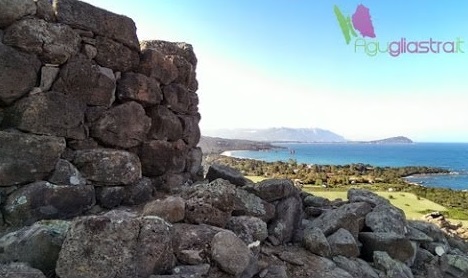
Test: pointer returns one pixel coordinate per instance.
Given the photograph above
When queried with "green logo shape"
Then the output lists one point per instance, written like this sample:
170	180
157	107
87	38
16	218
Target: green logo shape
345	25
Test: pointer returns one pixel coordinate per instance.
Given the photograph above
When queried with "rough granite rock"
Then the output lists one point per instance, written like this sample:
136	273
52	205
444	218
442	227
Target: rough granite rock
139	192
19	270
139	88
356	267
86	81
194	161
248	228
116	244
397	246
172	48
246	203
123	126
50	113
362	195
210	203
342	243
48	76
18	72
230	253
171	209
176	98
13	10
165	73
347	216
26	158
186	72
160	157
114	55
84	16
192	243
165	125
38	245
66	173
387	219
315	201
110	196
108	166
45	10
392	268
274	189
43	200
219	171
288	219
53	43
315	241
191	133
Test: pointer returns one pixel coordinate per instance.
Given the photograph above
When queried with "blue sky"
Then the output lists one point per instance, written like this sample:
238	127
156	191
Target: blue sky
272	63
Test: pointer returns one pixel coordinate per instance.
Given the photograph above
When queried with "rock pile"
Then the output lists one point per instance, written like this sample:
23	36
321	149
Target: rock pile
217	229
88	114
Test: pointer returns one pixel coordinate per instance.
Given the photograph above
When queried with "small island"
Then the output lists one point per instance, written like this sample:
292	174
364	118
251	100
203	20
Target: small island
391	140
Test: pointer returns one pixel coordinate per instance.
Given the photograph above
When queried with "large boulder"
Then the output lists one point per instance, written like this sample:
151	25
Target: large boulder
13	10
456	265
86	81
397	246
387	219
219	171
342	243
82	15
123	126
210	203
38	245
116	244
176	97
362	195
230	253
165	125
43	200
19	270
66	173
246	203
108	166
315	241
49	113
156	65
392	268
274	189
283	227
348	216
248	228
160	157
27	158
171	209
192	243
139	88
18	72
116	56
133	194
192	133
356	267
182	49
53	43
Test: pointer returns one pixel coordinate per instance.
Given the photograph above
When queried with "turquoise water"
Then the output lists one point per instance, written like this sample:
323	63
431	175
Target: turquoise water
453	156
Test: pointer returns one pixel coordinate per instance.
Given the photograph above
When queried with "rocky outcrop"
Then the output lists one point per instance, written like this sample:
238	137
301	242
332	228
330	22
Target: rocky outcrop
83	107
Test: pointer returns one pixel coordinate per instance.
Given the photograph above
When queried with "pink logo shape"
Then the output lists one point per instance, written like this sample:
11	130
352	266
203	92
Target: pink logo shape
362	21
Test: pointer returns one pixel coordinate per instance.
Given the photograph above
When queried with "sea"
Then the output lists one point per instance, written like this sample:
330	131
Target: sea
451	156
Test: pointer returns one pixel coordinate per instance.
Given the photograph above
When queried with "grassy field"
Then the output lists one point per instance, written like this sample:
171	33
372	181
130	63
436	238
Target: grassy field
414	207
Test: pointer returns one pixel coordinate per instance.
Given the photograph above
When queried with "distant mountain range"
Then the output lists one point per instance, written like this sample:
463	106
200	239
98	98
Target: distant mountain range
283	134
300	135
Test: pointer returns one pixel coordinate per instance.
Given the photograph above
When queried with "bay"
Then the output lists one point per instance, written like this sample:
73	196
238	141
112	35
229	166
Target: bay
451	156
